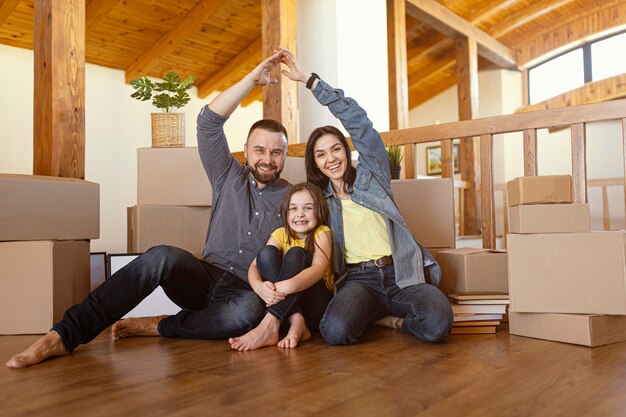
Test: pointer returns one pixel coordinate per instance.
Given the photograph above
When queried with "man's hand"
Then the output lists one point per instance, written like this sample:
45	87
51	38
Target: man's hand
296	71
268	293
261	75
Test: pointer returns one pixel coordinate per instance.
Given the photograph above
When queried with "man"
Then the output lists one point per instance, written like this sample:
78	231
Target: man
214	294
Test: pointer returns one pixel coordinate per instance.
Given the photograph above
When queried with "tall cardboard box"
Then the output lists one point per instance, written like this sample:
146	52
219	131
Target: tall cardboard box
579	329
172	177
549	218
545	189
34	207
473	270
39	281
428	208
581	273
183	227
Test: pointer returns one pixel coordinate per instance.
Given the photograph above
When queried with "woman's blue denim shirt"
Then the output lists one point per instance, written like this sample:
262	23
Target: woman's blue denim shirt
372	189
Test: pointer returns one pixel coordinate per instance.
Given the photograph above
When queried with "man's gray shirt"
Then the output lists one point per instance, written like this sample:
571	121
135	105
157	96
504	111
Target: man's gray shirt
242	216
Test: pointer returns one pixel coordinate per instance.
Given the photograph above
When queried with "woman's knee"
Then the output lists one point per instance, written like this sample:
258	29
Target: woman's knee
434	318
335	331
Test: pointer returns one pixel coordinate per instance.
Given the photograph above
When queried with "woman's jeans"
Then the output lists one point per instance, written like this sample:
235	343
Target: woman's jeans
215	303
371	293
275	267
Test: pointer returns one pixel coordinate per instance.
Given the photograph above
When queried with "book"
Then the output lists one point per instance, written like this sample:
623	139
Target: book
478	309
479	296
474	330
477	323
480	302
476	317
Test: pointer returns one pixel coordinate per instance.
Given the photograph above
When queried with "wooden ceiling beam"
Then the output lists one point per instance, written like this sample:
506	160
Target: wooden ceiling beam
96	10
177	34
251	55
445	21
431	70
420	96
527	14
6	8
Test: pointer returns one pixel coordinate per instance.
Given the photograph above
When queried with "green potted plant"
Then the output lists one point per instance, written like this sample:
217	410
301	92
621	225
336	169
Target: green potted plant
394	154
168	127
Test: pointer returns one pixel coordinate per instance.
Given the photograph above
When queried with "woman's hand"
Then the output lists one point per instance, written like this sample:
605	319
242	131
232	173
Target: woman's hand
261	75
296	71
268	293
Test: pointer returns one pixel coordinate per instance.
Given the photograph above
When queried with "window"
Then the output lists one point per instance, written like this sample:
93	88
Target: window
561	74
608	58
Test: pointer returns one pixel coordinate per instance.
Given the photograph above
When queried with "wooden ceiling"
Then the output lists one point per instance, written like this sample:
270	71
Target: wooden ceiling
220	40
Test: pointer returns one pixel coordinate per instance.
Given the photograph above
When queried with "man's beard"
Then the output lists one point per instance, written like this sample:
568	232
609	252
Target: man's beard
262	176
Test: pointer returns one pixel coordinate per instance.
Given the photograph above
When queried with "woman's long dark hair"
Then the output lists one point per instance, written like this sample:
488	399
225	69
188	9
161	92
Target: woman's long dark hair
320	209
313	173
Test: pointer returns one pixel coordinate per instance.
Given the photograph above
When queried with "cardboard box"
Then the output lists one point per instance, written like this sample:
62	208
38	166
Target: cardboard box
473	270
546	189
39	281
183	227
579	329
172	177
568	273
549	218
36	207
428	208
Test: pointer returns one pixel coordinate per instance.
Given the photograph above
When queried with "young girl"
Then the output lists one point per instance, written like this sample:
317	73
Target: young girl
287	273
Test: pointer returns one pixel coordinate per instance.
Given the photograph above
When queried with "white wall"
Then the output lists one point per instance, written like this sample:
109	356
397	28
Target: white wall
116	125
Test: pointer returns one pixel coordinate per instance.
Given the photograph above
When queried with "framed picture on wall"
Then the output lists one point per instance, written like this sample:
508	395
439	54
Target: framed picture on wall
433	159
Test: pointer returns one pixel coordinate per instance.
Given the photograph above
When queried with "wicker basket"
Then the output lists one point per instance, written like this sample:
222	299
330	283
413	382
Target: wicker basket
168	130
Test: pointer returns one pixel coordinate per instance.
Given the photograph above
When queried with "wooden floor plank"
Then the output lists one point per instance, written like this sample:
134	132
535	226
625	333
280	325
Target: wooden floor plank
386	374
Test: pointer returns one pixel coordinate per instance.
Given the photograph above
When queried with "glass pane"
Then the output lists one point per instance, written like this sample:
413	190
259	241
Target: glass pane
556	76
608	58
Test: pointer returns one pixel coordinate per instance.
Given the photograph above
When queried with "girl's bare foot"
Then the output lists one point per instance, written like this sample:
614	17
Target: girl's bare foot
45	347
265	334
298	332
140	326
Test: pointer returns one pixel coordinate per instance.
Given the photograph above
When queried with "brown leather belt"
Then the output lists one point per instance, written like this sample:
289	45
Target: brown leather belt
379	263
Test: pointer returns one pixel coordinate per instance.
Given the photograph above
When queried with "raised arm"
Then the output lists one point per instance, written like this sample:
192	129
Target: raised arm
212	144
353	117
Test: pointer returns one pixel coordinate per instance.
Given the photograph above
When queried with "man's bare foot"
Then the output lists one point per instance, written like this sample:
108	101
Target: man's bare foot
45	347
140	326
298	332
265	334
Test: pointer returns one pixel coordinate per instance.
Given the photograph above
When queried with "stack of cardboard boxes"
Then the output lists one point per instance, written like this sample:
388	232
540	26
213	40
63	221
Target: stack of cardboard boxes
566	283
45	227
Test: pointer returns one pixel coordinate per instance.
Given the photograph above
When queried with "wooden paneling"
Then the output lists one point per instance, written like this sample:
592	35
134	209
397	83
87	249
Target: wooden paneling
6	8
280	100
59	112
449	23
398	77
96	11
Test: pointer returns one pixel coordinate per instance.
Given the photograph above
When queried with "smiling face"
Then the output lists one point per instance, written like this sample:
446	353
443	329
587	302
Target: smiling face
331	158
301	216
265	152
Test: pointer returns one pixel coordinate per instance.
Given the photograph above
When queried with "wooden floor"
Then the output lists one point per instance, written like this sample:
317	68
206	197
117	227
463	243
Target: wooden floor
386	374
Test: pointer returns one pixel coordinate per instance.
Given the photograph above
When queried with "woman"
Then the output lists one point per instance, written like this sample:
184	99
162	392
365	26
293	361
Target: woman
386	271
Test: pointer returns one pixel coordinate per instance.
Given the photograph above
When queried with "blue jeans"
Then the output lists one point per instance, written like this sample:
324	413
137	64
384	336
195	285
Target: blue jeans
370	294
312	302
215	303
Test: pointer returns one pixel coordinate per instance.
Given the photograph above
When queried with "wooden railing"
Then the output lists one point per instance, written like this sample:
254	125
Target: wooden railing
575	116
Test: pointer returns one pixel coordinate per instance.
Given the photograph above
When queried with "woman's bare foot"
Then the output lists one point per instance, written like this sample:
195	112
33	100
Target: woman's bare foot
140	326
265	334
298	332
45	347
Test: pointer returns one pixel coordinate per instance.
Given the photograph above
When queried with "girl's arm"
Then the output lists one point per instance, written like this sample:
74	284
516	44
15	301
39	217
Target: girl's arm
312	274
266	290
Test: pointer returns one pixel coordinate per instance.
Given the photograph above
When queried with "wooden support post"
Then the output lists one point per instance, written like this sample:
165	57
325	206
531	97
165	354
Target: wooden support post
59	110
447	160
579	163
467	87
280	101
530	152
398	77
487	192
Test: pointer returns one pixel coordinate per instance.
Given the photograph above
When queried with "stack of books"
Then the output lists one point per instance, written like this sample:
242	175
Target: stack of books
478	313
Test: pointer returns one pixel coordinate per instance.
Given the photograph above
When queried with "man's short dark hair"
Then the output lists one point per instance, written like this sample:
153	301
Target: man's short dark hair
269	125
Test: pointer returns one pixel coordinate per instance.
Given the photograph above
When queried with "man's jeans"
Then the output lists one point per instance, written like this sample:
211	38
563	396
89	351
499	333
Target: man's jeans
311	302
371	293
215	304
